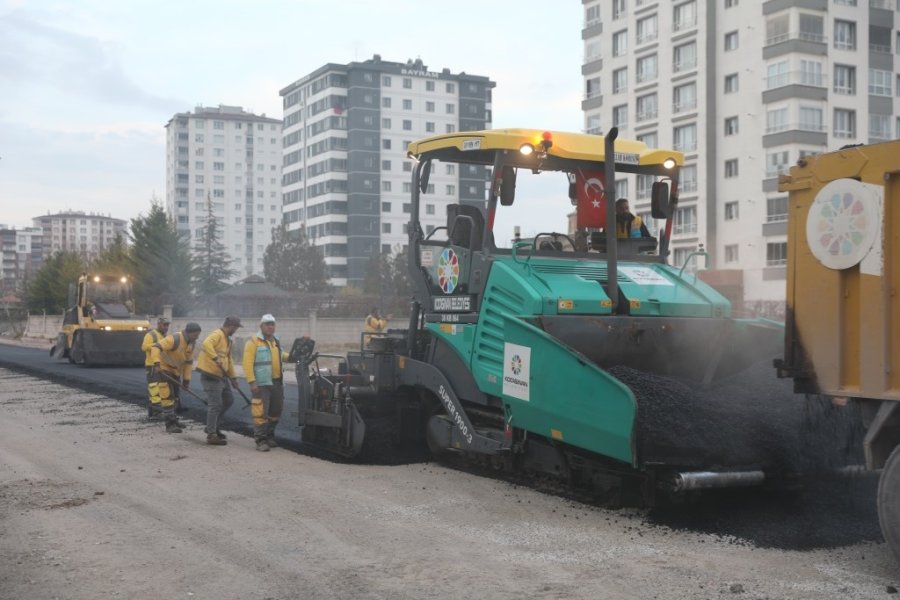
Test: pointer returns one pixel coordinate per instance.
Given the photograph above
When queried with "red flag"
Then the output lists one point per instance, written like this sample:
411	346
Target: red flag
591	206
338	110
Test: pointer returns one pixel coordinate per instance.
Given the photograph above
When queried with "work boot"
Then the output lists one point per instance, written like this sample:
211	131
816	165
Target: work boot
270	441
172	426
214	440
262	446
221	435
154	412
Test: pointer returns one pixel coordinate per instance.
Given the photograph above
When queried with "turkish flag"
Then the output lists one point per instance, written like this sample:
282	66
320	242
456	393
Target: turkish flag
591	205
338	110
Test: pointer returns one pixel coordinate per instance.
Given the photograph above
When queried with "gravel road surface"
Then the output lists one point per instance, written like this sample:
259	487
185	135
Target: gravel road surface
95	502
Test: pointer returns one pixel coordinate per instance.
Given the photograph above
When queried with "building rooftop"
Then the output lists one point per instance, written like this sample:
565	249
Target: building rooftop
224	112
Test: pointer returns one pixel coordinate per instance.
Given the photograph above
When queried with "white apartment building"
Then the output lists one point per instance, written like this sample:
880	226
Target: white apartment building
232	158
346	174
745	89
21	255
88	234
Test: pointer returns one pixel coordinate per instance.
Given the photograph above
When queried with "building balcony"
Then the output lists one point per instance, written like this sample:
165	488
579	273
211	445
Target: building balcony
680	107
646	38
843	90
679	26
795	84
592	100
795	41
646	77
845	134
685	65
647	115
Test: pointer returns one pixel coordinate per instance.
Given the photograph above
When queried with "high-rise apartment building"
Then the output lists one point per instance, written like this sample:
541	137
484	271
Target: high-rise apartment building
745	89
88	234
346	174
21	255
231	158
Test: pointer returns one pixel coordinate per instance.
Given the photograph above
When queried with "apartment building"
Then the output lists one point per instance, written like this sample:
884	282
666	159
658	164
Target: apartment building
231	158
745	89
87	234
347	178
21	255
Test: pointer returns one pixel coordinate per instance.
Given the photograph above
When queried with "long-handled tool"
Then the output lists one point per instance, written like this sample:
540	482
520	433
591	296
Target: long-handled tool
178	383
239	390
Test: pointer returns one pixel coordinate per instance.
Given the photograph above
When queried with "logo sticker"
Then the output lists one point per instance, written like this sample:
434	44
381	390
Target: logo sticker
517	371
844	222
448	270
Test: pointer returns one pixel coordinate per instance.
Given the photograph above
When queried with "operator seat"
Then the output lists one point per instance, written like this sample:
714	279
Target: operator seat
462	233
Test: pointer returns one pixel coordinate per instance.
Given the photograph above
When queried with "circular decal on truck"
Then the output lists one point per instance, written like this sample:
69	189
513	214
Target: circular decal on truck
448	270
842	223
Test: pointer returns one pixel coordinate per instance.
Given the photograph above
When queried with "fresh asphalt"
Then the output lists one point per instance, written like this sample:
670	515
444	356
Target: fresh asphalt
129	384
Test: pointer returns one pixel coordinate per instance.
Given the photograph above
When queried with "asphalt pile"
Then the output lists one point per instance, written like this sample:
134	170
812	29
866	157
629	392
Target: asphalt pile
753	420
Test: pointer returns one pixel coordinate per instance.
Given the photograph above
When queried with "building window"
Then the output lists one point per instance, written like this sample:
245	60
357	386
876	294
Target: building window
812	119
685	57
844	35
880	82
731	41
385	123
592	88
450	190
451	109
879	127
777	209
450	128
591	15
620	80
688	183
776	254
684	97
686	220
731	211
620	116
646	68
651	139
429	209
731	3
777	75
407	83
385	81
731	126
731	253
386	144
619	9
407	125
647	29
731	83
620	43
845	80
385	102
385	165
844	123
429	127
731	168
684	16
429	86
407	104
407	166
685	138
429	107
811	73
451	88
776	120
646	107
386	207
777	163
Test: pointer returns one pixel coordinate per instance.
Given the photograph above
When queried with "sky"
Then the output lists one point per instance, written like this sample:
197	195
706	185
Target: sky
87	87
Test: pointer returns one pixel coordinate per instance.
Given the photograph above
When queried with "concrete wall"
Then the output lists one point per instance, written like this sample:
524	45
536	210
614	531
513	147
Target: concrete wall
329	333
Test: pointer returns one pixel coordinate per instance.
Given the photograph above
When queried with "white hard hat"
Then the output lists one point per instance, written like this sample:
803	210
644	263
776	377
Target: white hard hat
267	318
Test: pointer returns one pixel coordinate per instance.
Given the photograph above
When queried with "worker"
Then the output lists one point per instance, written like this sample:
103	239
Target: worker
263	367
154	408
627	224
173	359
216	371
375	323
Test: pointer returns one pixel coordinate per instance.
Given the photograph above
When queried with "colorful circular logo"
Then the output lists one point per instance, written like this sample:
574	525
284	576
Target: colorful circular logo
842	224
516	364
448	270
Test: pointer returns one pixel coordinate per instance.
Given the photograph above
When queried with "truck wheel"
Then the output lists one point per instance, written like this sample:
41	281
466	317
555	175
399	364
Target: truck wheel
889	501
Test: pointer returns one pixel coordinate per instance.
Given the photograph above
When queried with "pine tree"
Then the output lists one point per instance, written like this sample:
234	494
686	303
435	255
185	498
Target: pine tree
49	289
212	264
400	272
378	275
292	263
161	262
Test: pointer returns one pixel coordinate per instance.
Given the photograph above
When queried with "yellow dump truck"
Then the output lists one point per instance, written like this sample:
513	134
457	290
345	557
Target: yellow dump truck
843	298
100	327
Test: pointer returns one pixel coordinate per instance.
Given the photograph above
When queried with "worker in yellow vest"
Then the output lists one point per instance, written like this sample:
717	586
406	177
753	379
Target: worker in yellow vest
154	408
173	360
216	372
263	367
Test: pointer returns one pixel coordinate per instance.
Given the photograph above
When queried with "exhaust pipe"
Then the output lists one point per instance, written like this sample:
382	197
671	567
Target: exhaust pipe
707	480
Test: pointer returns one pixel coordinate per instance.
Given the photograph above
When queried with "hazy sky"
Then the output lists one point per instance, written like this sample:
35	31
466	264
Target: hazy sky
87	87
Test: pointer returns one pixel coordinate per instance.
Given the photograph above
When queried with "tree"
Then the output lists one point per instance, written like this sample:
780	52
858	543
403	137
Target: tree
400	272
115	259
161	262
379	275
212	264
292	263
49	290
